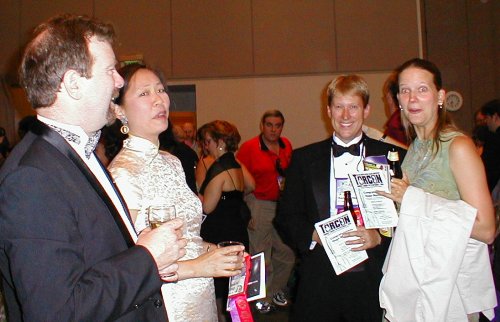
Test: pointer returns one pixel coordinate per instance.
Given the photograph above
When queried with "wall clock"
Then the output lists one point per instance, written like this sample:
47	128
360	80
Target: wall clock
453	101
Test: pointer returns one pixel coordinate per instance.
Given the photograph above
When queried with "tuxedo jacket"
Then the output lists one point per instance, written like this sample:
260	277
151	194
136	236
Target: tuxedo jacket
65	254
306	199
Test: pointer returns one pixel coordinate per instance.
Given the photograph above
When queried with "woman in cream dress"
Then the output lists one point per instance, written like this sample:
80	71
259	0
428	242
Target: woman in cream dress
149	177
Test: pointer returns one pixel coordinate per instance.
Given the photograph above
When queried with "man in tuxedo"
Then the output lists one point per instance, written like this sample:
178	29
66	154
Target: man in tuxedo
68	251
316	179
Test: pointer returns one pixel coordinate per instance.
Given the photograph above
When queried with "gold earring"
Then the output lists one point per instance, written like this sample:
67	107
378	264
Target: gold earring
124	128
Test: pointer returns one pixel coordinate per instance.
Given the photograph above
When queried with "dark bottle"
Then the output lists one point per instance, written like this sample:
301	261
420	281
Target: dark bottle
394	164
348	206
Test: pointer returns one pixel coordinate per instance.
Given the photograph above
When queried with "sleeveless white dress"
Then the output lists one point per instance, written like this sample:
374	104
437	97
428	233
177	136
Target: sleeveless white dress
146	177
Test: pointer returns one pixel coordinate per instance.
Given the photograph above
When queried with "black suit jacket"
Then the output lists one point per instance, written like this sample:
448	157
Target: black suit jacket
306	199
65	254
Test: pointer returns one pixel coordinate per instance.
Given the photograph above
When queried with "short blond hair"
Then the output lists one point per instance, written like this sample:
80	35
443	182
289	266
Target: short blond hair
349	84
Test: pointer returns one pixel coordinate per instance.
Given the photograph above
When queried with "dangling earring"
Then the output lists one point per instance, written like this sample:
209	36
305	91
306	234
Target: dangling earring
440	105
124	128
400	107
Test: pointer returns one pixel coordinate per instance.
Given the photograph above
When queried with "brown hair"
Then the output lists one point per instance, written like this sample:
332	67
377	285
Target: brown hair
272	113
444	122
225	131
349	84
58	45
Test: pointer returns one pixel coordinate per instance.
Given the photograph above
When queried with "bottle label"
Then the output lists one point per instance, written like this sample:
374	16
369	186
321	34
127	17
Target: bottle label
343	184
393	156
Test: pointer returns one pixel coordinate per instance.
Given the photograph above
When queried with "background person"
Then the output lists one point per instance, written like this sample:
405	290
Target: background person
149	177
222	193
205	160
69	252
316	177
266	157
394	126
491	147
190	137
480	132
186	155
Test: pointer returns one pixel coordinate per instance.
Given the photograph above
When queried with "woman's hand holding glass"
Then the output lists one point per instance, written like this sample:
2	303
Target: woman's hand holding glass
218	262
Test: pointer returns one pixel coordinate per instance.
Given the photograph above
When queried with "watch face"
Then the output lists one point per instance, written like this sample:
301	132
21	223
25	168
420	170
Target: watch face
453	101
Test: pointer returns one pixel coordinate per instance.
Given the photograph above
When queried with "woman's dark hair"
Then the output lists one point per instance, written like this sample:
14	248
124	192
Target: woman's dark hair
167	139
444	122
112	139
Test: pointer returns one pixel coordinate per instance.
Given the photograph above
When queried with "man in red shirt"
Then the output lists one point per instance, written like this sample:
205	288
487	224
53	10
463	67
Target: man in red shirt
266	157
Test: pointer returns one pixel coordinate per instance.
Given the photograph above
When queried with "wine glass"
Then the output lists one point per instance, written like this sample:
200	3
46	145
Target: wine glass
159	214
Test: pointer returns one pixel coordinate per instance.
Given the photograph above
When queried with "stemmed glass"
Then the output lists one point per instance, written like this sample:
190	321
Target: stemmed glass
159	214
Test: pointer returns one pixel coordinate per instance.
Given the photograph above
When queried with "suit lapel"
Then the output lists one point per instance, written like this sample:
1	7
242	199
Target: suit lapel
320	178
60	144
373	147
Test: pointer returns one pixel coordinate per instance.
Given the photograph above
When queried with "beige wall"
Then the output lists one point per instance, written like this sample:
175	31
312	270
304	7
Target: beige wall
302	100
217	43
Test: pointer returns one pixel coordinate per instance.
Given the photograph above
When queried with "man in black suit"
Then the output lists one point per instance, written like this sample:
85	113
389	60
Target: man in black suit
68	251
316	180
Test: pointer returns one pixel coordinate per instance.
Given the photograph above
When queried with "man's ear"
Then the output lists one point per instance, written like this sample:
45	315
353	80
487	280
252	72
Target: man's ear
71	84
329	111
366	111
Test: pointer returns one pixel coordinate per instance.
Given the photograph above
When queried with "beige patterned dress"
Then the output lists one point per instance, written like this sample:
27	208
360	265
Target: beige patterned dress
146	177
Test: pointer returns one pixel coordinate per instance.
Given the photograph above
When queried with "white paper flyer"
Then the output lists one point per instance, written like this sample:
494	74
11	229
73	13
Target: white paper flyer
377	211
341	256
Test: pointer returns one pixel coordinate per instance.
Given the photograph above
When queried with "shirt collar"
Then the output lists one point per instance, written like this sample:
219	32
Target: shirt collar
353	141
75	135
264	147
139	144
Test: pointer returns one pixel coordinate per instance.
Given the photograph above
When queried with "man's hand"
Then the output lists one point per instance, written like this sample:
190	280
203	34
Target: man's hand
315	237
165	244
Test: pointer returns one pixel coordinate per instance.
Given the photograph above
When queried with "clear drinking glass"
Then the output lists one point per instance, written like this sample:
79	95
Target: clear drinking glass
228	243
159	214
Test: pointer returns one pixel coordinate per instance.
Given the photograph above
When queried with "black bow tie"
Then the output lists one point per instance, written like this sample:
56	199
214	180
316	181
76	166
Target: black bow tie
353	149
